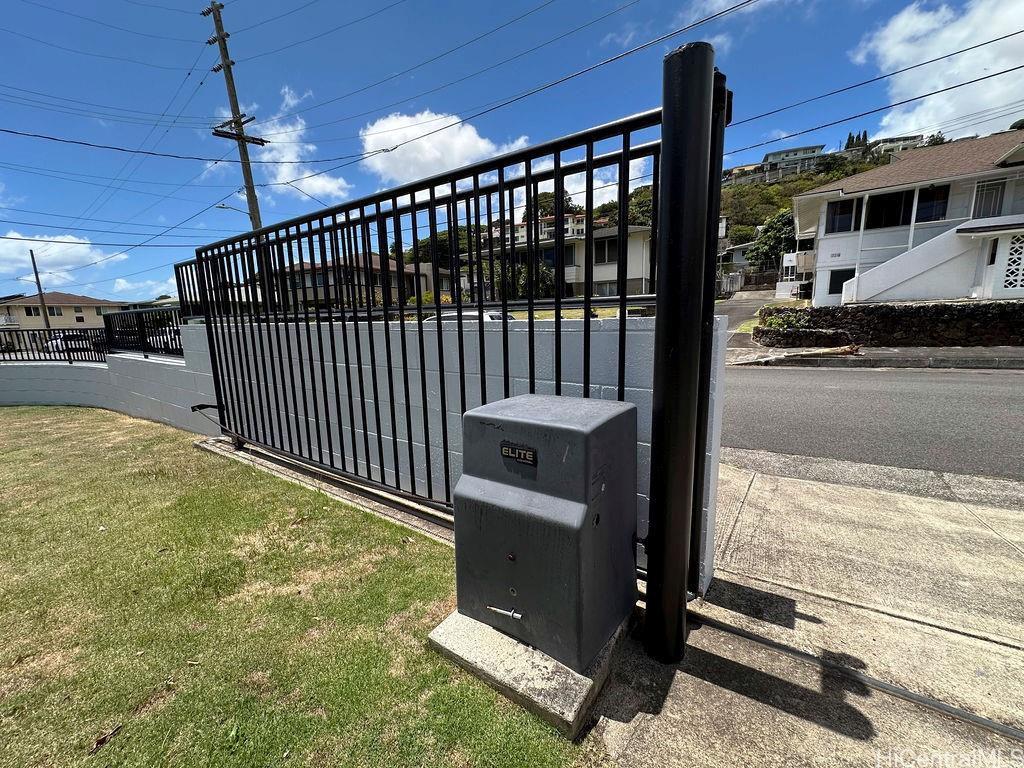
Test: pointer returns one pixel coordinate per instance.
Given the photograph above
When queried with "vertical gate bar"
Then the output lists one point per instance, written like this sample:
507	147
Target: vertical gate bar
396	219
227	328
623	258
652	245
273	334
204	297
530	201
385	292
559	266
455	265
326	275
303	418
588	265
719	119
470	277
364	230
421	339
245	362
243	290
685	166
490	242
479	288
338	268
311	246
505	269
294	446
262	393
435	257
351	261
308	288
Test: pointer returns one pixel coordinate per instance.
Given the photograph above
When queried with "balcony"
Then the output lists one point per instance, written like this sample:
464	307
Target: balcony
9	321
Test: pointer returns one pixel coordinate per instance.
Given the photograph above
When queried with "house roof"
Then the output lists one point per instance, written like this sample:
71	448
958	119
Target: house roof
964	157
58	298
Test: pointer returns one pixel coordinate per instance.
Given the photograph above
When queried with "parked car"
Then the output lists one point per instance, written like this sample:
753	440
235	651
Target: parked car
70	341
489	315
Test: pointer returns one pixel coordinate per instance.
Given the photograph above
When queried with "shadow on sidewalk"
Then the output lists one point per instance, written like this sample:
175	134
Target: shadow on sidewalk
757	603
707	682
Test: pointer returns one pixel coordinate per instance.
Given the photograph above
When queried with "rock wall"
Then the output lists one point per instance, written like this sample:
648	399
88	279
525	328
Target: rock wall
910	324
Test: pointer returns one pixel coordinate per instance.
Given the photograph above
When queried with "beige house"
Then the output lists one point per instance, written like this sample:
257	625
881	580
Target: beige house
64	310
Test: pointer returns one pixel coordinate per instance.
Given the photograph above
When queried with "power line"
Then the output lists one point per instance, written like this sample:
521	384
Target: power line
107	221
450	83
324	33
545	86
425	62
83	229
68	49
851	87
873	111
159	7
106	24
144	244
275	18
59	173
171	155
203	118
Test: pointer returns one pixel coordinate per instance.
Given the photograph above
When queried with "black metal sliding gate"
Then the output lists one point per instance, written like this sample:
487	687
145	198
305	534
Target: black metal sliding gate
353	339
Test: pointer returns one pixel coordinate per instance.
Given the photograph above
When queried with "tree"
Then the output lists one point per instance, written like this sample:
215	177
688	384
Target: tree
742	233
162	296
544	204
1017	125
640	208
935	139
778	236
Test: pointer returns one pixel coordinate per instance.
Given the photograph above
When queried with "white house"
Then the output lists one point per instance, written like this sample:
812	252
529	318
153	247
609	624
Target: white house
942	222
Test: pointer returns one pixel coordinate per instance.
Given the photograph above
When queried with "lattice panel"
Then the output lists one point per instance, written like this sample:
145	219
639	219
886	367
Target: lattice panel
1014	277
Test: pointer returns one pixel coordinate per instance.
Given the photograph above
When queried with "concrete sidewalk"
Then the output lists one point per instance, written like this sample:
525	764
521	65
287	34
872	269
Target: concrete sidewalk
919	590
749	353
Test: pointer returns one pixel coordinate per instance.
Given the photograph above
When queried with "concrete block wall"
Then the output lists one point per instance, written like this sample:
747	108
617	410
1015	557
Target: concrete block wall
158	388
380	407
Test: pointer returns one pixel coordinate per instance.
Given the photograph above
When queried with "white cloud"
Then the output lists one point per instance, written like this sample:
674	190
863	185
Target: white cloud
701	9
624	36
923	31
55	260
450	148
292	148
146	288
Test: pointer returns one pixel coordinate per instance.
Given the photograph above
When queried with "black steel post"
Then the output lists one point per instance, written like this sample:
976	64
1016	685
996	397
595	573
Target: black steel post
688	89
720	116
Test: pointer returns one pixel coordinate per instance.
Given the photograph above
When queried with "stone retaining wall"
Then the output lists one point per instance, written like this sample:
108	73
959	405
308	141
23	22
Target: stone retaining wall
909	324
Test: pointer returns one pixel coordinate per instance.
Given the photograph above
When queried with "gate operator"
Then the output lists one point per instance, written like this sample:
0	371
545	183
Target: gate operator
545	522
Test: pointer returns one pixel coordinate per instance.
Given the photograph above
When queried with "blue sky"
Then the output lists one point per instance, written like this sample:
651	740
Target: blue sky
774	53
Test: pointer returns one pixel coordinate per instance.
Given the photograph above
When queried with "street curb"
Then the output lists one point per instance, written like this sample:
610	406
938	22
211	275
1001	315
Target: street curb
888	362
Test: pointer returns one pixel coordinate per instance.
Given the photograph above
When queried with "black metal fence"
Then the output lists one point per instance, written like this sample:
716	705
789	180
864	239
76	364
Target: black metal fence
149	331
63	345
347	338
187	278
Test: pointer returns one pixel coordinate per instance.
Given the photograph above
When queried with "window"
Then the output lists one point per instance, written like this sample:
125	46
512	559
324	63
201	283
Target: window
932	203
836	278
992	250
789	272
319	280
79	319
569	256
55	311
31	311
99	311
547	255
78	310
606	288
988	198
890	210
606	251
843	216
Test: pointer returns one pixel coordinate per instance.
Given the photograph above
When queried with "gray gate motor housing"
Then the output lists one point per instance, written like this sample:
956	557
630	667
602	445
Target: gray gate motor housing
545	522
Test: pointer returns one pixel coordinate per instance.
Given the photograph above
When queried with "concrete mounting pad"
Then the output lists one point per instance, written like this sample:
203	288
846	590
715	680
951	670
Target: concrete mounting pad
529	677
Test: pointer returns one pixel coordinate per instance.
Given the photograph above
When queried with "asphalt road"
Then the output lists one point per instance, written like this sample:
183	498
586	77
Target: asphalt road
743	306
968	422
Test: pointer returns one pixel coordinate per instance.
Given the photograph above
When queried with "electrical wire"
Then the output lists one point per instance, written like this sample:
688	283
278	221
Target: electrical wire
108	25
859	115
68	49
330	31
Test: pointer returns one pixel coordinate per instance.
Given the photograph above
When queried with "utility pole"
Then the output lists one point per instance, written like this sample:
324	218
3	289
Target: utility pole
39	289
238	120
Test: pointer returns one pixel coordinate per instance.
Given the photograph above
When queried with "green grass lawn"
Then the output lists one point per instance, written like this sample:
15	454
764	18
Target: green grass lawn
205	613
